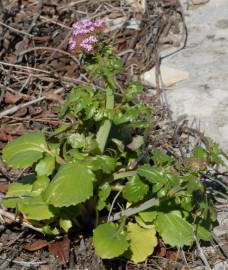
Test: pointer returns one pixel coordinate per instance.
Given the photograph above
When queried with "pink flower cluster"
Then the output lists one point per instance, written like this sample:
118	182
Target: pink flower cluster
84	35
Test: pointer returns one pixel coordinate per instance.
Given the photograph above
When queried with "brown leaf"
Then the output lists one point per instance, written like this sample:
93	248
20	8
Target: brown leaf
11	98
5	137
3	187
61	250
171	255
161	252
44	267
54	97
13	129
36	245
21	112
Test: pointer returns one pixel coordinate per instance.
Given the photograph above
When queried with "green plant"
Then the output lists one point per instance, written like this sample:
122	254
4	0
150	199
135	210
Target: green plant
100	173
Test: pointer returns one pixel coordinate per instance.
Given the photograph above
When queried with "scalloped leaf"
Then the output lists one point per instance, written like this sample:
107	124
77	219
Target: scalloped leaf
39	185
174	229
25	150
142	242
17	191
45	166
105	163
73	184
148	216
135	190
152	174
109	241
104	192
35	208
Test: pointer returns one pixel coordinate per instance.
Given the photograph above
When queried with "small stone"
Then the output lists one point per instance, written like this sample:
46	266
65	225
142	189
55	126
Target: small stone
169	76
221	265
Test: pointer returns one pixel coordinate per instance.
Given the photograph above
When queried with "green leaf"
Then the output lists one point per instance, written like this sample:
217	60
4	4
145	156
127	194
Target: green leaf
174	229
25	150
143	224
35	208
39	185
105	163
45	166
130	115
152	174
109	241
148	216
102	134
72	185
200	153
135	190
104	192
142	242
160	158
204	231
133	90
50	231
77	140
17	190
65	223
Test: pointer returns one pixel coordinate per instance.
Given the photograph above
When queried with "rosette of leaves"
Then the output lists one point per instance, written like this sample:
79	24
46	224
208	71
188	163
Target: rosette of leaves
125	190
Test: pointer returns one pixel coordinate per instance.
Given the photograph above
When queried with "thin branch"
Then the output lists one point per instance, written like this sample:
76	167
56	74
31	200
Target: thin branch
20	106
24	264
134	210
24	67
23	223
55	22
15	30
113	202
202	255
50	49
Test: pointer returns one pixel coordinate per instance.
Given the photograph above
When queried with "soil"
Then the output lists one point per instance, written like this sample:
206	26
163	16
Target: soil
36	72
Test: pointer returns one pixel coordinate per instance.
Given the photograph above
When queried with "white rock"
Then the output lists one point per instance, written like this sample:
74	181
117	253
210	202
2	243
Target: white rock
117	23
138	5
204	96
169	76
221	265
210	109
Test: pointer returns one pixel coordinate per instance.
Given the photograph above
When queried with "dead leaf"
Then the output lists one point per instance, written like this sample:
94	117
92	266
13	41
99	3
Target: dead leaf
61	250
11	98
171	255
44	267
36	245
5	137
161	252
54	97
13	129
3	187
21	112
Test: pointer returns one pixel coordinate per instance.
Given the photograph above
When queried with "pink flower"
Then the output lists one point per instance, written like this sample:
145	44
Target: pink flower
100	24
87	43
87	47
84	32
72	44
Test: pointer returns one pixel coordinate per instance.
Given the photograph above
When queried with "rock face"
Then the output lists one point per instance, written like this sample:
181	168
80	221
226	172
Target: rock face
204	95
170	76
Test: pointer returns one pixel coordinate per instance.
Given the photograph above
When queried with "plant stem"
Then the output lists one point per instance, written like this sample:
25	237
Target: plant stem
132	211
104	130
